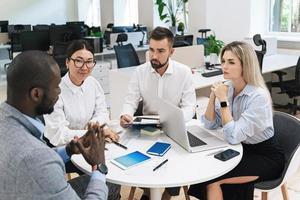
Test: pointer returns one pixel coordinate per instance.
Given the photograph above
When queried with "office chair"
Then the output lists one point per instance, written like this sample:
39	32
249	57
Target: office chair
286	128
60	56
122	37
291	88
258	41
126	56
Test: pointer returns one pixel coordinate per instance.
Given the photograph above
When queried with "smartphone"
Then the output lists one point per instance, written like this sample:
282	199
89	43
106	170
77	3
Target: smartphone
227	154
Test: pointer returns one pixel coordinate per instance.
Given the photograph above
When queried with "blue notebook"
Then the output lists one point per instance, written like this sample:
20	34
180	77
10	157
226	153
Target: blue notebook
159	148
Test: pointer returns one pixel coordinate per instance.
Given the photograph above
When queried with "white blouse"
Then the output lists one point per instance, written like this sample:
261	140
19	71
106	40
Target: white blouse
76	106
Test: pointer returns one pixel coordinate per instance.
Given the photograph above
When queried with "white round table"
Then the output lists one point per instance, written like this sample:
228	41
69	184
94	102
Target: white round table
182	168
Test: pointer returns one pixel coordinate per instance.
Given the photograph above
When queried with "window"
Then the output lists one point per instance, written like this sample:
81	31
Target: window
89	12
125	12
285	16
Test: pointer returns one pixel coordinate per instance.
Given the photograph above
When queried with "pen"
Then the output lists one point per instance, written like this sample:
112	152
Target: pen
120	145
161	164
215	152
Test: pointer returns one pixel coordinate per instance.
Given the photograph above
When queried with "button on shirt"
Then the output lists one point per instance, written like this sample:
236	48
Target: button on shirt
252	116
175	86
76	106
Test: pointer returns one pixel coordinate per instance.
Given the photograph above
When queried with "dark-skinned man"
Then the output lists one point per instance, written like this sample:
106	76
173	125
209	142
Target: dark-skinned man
28	168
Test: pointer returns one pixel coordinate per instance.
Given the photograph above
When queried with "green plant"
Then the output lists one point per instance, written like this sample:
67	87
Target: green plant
213	45
180	27
172	8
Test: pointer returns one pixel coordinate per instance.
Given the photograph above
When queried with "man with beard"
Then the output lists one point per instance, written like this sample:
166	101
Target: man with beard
161	77
28	168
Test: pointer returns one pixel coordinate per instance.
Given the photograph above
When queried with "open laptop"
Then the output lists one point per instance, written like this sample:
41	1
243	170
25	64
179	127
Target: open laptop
192	138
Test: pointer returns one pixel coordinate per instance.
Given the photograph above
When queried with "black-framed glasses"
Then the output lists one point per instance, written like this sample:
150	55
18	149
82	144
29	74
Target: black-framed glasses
79	63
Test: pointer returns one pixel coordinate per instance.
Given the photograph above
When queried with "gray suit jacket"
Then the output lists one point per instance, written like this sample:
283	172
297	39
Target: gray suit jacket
31	170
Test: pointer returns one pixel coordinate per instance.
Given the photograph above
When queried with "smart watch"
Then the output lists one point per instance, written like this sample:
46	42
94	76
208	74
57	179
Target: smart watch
102	168
223	104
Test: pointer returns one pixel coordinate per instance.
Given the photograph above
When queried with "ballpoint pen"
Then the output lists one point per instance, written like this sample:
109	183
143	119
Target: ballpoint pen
120	145
161	164
215	152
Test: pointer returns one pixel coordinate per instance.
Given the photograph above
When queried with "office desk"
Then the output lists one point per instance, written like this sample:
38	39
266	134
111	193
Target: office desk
278	62
183	168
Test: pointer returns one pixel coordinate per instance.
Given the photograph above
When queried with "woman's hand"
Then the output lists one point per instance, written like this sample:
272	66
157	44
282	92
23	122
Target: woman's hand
220	90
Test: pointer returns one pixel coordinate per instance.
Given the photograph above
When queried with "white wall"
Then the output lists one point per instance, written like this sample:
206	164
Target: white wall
38	11
107	12
146	13
230	19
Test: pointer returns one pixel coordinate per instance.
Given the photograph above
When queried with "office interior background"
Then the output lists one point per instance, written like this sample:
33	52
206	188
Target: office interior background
229	20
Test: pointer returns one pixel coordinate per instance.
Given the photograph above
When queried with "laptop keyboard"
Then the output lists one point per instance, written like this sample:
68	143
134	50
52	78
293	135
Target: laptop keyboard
194	141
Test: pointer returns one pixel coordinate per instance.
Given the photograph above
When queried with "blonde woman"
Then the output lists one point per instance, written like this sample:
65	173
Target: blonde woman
243	107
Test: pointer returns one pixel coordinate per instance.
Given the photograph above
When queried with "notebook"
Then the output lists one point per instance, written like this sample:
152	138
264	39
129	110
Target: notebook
159	148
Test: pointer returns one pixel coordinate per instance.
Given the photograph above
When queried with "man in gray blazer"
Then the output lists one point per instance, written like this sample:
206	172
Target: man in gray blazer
28	168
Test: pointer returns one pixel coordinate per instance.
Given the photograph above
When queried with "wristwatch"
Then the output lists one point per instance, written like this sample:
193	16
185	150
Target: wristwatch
102	168
223	104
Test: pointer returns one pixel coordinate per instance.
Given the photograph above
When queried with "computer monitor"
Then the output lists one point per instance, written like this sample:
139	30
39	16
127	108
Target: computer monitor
76	22
35	40
59	33
122	29
183	40
3	26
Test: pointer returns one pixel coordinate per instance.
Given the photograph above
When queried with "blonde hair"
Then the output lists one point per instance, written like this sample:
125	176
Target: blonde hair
247	56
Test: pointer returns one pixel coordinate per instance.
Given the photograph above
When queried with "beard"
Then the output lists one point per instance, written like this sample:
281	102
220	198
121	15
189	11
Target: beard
45	107
158	64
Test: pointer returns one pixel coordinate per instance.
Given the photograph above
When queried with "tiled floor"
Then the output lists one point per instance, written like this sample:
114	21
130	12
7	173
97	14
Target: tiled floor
294	187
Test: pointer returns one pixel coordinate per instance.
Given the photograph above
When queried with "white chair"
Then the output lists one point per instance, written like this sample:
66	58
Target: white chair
286	129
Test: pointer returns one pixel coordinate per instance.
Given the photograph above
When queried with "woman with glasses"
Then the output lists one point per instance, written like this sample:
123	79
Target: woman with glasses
81	101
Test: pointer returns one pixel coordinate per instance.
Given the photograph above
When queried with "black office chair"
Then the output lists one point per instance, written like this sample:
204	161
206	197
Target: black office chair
126	56
286	128
60	56
258	41
291	88
122	37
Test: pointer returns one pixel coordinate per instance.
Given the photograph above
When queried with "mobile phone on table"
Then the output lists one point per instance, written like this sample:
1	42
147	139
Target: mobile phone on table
227	154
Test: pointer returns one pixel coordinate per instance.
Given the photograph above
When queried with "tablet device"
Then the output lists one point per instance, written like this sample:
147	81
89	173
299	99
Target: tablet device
145	121
159	148
130	160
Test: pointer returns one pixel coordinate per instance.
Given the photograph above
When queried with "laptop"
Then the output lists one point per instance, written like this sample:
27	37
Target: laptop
191	138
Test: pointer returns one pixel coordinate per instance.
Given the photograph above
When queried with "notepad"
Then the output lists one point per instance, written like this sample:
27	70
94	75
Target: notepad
130	160
159	148
150	130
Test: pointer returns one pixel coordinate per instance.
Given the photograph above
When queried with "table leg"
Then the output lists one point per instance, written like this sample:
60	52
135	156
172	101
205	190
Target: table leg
155	193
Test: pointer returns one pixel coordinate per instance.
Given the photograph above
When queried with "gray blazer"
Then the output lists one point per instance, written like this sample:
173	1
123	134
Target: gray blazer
31	170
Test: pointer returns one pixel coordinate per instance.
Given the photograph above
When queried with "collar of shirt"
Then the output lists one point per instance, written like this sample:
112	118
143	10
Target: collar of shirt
74	88
248	89
169	70
37	123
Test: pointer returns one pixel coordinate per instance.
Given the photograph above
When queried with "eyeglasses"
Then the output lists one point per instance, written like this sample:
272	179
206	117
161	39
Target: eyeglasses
80	63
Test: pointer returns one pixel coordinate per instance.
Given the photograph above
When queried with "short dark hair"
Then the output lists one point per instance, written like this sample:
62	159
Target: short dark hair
29	69
160	33
76	45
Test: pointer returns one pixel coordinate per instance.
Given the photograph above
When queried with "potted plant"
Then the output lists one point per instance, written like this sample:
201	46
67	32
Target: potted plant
212	47
171	14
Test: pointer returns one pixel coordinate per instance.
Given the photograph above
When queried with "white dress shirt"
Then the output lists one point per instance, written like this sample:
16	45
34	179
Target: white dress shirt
76	106
175	86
